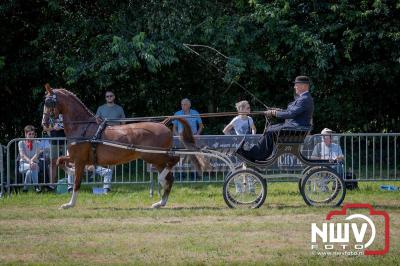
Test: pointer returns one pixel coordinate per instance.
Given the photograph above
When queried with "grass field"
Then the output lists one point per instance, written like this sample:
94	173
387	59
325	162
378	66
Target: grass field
196	227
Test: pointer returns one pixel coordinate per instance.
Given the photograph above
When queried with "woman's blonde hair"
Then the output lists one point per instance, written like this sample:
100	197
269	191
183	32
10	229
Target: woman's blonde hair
242	104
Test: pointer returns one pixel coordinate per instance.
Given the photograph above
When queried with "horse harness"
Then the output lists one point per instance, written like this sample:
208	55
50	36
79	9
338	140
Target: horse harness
95	138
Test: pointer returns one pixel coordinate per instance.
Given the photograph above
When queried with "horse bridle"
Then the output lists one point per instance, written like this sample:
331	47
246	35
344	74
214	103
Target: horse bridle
50	102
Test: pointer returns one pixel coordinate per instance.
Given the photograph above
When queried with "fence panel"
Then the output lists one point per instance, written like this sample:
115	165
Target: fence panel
371	157
130	173
2	175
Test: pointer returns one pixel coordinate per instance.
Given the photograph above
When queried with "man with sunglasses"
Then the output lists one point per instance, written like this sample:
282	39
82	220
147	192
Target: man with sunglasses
110	109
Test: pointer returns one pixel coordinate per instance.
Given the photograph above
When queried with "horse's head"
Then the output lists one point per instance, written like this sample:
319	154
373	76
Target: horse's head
50	108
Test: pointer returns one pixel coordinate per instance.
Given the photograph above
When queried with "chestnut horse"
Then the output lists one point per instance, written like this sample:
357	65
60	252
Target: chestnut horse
80	127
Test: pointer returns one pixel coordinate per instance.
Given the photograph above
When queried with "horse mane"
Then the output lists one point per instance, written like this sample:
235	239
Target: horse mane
76	99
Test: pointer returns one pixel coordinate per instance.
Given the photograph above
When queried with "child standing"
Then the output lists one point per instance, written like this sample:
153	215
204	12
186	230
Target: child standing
242	124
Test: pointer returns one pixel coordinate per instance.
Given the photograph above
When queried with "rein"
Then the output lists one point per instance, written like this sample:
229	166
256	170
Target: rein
160	118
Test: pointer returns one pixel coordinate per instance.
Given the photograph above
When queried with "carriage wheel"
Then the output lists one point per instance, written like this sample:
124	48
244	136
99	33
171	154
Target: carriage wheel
299	184
245	188
306	171
323	187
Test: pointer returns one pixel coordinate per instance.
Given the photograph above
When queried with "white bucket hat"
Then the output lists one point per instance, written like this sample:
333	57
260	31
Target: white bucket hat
327	131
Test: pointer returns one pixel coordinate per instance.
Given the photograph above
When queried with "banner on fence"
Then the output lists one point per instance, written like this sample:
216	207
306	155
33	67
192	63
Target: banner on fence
227	145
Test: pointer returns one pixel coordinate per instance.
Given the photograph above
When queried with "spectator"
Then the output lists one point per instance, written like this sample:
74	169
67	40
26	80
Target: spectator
44	158
327	150
298	114
195	122
55	130
242	124
29	154
110	110
105	173
193	119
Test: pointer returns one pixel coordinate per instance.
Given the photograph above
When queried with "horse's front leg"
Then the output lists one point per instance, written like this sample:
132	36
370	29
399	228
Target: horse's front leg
63	160
79	169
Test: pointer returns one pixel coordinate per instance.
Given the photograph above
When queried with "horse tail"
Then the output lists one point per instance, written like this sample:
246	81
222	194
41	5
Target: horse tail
200	163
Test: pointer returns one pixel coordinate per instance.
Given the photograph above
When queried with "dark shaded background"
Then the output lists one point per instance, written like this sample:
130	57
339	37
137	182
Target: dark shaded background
351	52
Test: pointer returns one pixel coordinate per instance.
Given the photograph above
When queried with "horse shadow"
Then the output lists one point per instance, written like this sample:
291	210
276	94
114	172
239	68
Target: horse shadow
267	206
153	209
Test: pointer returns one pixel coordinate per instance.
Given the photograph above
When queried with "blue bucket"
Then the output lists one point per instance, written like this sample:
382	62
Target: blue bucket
98	190
389	188
62	186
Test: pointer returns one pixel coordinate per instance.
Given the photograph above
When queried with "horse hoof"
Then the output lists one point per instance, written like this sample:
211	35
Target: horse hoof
65	206
158	205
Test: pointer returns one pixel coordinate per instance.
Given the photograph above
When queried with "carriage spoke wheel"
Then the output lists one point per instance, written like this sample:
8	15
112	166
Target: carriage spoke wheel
245	188
323	187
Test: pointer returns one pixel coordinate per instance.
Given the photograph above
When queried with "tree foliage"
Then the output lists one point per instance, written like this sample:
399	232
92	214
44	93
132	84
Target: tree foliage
135	48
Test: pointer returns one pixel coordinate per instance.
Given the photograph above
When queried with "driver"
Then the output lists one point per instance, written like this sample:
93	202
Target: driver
298	114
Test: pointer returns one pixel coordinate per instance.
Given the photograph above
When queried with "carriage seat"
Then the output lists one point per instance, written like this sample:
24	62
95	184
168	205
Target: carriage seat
286	135
292	135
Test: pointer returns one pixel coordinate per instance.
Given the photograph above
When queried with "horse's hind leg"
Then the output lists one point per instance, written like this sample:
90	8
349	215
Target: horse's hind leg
166	179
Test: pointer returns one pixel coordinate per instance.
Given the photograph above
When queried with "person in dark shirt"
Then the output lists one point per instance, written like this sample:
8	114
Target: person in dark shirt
57	148
110	109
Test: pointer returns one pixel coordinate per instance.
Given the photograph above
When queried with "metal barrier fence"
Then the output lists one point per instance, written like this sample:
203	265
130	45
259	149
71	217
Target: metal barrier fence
367	156
131	173
2	180
370	157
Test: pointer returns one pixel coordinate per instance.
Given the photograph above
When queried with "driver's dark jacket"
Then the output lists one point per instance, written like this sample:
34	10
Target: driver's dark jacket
299	112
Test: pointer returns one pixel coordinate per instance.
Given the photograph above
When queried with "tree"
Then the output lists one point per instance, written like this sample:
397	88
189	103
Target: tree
135	48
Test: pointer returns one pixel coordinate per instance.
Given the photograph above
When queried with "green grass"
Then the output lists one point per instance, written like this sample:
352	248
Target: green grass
196	227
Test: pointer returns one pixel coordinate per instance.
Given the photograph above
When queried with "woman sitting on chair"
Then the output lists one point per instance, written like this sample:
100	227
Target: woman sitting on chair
29	153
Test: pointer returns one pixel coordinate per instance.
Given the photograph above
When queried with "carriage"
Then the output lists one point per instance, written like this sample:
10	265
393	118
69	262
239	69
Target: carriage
320	184
245	185
91	142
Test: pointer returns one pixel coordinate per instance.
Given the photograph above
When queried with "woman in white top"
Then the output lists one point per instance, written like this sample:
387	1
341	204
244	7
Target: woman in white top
242	124
29	153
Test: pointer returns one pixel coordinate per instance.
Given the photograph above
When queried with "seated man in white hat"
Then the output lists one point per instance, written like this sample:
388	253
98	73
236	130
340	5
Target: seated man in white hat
327	150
